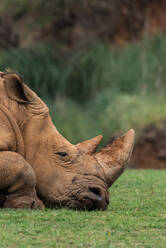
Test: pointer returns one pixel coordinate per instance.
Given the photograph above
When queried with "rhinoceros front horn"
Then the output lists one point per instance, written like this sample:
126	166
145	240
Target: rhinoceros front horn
114	157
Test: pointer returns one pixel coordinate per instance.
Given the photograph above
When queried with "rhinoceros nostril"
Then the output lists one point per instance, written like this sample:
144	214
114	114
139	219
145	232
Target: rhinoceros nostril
96	192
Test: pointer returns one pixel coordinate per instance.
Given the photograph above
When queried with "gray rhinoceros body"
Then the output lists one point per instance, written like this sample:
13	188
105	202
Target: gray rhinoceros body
39	167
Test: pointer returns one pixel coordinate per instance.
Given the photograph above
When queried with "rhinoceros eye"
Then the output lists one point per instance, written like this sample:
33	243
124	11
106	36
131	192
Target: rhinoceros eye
62	154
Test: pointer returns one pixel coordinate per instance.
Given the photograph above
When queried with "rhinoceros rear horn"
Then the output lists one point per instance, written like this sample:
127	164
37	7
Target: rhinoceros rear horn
114	157
15	88
90	146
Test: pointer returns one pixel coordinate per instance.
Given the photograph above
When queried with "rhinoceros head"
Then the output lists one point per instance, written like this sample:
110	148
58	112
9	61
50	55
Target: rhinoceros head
74	176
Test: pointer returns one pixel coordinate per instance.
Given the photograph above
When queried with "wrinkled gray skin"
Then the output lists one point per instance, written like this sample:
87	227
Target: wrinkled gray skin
37	158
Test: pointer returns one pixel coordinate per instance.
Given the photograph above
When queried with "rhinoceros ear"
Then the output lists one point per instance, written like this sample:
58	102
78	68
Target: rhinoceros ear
90	146
15	88
114	157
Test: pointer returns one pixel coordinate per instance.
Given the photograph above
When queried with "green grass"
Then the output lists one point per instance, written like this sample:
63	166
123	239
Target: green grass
135	218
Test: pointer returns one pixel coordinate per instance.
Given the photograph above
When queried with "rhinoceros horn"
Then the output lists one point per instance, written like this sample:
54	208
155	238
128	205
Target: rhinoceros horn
90	146
114	157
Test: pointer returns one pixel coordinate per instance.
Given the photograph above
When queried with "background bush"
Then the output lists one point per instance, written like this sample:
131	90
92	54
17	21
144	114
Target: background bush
98	89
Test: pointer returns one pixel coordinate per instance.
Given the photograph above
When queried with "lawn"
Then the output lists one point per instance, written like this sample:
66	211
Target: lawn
136	217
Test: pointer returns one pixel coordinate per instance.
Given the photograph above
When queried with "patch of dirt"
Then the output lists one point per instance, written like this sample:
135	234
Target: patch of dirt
8	37
150	148
115	21
74	23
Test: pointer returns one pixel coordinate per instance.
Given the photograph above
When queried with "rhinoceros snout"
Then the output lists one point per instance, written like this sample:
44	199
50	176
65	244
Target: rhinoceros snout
99	198
95	198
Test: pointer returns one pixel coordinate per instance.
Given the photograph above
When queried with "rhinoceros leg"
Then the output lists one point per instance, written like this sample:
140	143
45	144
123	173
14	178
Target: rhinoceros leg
17	178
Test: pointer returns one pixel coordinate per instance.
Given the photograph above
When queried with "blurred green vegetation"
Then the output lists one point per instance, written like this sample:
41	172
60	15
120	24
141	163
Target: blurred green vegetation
98	89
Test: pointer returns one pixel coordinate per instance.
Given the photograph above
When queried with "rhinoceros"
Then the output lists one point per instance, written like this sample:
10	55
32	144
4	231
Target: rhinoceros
40	168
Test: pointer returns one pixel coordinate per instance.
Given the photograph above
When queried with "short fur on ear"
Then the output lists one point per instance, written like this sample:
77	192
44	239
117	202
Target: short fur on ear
15	88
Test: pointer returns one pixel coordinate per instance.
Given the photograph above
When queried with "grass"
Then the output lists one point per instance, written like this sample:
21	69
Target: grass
135	218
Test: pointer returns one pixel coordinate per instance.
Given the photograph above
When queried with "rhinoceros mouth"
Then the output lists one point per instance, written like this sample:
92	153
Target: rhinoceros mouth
93	198
90	201
88	204
85	205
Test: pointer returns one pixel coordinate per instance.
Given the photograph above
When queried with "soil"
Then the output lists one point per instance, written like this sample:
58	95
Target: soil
79	22
115	21
150	148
